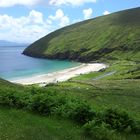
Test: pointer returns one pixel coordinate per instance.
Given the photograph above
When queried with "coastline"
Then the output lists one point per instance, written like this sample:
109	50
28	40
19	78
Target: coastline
62	75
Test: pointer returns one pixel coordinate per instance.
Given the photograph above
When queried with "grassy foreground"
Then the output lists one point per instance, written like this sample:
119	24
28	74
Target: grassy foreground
22	125
86	104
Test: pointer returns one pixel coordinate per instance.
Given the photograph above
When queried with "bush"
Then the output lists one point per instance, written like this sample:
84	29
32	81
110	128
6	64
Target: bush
116	119
119	120
82	113
100	131
42	104
22	101
14	99
4	99
108	125
52	103
136	127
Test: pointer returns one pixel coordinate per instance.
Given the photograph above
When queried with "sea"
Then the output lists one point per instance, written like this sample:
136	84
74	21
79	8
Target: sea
14	65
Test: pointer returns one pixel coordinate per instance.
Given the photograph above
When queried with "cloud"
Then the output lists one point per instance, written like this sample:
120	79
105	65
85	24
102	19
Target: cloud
106	13
87	13
24	29
31	27
36	17
10	3
60	17
70	2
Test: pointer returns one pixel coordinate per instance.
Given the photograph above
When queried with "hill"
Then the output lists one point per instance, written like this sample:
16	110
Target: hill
111	37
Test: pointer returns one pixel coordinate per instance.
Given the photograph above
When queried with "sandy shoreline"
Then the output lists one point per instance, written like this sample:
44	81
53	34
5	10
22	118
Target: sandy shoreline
62	75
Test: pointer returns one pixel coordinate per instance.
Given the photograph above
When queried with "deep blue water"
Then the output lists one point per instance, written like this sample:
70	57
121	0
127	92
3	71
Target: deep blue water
14	65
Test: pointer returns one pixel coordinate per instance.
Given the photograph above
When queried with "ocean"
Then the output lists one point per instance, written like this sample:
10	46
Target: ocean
14	65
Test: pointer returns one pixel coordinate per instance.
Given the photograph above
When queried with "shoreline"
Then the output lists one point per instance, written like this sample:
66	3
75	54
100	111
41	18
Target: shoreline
60	76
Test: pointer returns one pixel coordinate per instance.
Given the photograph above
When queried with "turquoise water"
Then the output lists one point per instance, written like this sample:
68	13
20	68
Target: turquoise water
14	65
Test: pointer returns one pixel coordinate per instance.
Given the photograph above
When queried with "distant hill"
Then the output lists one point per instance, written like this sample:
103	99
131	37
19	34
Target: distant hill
111	37
8	43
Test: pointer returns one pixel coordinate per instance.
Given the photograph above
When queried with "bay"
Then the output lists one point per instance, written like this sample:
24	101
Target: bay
15	65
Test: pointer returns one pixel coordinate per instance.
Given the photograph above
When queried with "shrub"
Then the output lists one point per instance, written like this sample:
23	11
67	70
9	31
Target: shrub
119	120
7	99
47	103
82	113
14	99
136	127
41	104
100	131
22	101
61	107
52	103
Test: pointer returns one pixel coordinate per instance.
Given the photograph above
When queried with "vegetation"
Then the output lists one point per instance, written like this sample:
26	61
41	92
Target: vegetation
89	107
97	106
21	125
117	70
106	38
110	125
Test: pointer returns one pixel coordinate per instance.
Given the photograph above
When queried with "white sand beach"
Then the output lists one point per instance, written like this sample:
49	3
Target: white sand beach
61	76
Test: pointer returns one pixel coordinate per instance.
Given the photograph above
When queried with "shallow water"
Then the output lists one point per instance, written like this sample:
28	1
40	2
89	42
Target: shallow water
14	65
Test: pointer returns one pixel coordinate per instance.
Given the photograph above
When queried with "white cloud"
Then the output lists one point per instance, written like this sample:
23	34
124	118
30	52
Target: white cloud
36	17
23	29
60	17
31	27
10	3
70	2
106	13
87	13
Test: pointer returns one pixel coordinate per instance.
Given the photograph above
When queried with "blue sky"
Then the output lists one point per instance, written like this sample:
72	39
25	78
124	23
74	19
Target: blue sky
28	20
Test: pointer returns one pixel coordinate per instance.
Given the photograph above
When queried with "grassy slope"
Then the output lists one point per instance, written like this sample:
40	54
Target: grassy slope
21	125
111	37
101	94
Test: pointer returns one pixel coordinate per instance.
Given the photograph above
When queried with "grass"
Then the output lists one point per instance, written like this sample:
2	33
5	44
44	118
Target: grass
119	69
119	90
101	94
21	125
106	38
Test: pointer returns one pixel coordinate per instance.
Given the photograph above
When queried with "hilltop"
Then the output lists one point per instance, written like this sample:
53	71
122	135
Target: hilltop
105	38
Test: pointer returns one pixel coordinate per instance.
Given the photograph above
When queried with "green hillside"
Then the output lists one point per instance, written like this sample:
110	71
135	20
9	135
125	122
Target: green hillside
73	110
112	37
101	105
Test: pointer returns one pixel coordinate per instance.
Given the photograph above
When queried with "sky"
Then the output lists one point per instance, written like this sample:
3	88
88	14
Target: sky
25	21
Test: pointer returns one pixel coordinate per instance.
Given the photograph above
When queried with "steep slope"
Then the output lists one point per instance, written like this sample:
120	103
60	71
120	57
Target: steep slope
112	37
